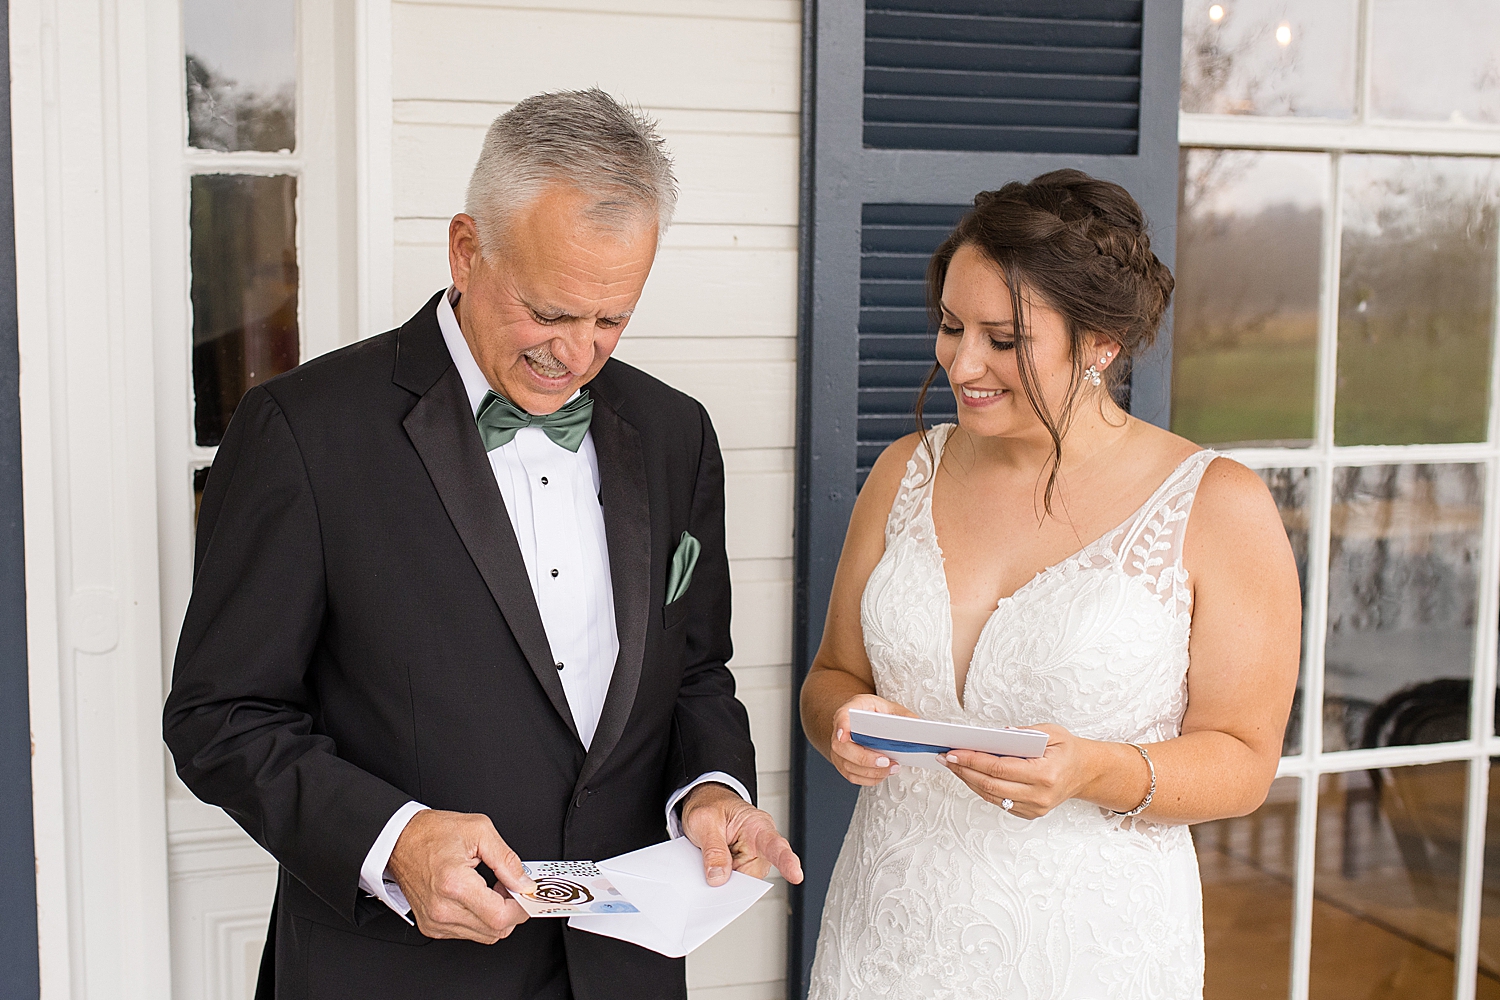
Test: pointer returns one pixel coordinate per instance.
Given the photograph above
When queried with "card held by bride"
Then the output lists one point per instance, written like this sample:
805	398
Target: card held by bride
919	742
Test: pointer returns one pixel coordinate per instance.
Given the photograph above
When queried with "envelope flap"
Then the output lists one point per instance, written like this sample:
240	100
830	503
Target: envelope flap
679	909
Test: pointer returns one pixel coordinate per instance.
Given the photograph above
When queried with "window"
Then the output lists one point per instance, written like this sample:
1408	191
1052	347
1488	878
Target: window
266	151
243	159
1335	328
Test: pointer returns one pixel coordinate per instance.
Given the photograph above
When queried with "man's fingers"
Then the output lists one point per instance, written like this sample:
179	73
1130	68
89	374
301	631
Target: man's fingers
492	914
716	857
500	914
775	849
503	861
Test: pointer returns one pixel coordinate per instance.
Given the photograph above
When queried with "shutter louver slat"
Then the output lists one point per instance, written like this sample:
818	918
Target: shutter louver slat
1049	30
909	82
1003	77
895	343
981	111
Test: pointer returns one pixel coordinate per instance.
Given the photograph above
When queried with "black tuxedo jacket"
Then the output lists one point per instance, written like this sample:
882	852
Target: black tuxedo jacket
362	632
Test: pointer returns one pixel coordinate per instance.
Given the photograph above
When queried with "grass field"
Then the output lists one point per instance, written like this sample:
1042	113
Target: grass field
1392	389
1257	392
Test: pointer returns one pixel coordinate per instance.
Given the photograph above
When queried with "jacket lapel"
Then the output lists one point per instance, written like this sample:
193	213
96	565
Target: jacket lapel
441	427
627	526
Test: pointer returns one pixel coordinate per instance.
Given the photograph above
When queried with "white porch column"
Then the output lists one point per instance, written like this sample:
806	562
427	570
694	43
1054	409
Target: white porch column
78	100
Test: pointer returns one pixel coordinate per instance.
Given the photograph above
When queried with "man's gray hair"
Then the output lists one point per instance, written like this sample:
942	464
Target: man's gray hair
582	138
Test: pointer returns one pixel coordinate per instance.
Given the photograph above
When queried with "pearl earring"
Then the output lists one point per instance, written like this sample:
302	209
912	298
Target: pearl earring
1091	373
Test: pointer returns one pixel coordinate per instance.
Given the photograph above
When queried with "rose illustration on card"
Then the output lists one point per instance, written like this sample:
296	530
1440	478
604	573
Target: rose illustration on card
570	889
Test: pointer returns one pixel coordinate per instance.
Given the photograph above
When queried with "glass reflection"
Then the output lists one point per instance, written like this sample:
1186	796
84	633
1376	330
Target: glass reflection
1245	322
1249	868
1416	299
241	74
1403	589
1386	883
1269	57
1292	490
1435	61
244	260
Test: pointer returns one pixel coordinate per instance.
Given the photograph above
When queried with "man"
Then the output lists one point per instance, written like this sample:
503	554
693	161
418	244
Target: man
462	598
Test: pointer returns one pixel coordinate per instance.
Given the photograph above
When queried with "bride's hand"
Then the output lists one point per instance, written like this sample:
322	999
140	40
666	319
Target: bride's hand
1035	786
858	764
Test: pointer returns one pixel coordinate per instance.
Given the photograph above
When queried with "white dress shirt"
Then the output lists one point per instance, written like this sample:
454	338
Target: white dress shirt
552	497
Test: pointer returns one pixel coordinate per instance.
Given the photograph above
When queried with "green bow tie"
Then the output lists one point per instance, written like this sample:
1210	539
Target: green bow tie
499	419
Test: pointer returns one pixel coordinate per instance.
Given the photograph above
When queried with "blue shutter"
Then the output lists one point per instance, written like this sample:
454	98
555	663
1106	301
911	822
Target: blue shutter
1038	77
895	344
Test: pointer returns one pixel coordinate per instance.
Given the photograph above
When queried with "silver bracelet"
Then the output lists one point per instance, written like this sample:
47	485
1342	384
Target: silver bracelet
1150	792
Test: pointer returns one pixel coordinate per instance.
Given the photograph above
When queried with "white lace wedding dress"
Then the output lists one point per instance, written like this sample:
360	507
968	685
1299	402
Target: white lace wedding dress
937	893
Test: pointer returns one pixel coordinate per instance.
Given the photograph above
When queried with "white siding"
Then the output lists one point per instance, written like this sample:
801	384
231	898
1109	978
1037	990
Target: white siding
718	319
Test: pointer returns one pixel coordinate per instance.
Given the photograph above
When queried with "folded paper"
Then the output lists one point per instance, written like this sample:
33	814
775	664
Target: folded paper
679	910
919	742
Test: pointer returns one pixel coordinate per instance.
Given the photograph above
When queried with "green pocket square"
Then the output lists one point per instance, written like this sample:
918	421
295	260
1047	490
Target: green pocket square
683	561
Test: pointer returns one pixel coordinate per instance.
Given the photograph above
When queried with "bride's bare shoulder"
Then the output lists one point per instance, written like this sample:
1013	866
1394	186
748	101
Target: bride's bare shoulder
1169	450
1228	495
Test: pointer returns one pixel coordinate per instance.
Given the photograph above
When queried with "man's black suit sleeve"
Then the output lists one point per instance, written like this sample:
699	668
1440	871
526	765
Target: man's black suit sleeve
712	731
239	720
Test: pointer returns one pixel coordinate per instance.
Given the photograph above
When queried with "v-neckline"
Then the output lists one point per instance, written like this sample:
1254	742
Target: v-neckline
1040	575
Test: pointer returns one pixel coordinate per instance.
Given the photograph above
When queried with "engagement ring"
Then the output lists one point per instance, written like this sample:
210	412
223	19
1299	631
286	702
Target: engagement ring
1006	804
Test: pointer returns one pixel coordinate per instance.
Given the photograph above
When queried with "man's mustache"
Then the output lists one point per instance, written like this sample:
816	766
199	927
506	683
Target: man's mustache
544	359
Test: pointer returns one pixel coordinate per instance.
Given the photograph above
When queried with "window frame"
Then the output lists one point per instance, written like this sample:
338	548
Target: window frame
1337	139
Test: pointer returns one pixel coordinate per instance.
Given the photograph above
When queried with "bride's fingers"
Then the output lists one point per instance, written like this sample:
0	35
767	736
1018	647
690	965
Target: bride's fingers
992	788
865	775
856	755
1005	768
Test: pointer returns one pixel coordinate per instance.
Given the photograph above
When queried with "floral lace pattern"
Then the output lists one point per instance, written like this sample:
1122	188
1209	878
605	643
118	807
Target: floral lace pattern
939	894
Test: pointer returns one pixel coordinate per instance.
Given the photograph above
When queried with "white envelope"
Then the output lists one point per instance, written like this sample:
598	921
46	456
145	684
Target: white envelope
679	909
1004	742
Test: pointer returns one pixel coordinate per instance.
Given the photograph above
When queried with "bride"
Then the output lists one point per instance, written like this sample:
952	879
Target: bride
1048	562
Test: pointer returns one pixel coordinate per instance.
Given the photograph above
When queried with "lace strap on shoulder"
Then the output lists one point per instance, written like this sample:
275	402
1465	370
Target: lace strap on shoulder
1153	545
916	484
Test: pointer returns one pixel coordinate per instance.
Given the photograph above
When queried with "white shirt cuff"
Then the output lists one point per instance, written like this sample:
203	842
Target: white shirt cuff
674	822
374	877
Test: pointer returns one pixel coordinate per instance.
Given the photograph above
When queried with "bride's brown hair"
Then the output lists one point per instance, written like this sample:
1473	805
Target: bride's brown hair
1080	244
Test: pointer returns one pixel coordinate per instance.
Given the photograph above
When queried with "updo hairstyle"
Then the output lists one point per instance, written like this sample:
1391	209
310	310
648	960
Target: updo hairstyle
1079	244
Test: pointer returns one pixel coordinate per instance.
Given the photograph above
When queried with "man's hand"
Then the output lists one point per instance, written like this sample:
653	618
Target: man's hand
725	827
434	862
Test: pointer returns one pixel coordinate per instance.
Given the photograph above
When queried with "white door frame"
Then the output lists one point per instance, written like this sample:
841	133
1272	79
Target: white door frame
84	76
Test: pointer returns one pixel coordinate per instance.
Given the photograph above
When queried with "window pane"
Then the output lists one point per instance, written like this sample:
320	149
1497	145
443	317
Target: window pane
1403	591
1436	61
1416	299
244	259
1249	868
1292	490
1385	912
1269	57
1245	326
241	74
